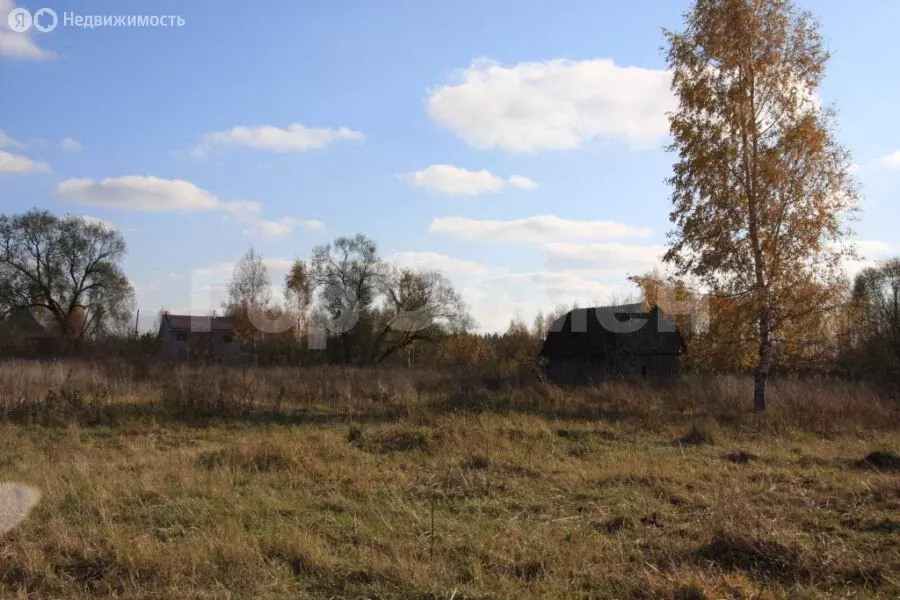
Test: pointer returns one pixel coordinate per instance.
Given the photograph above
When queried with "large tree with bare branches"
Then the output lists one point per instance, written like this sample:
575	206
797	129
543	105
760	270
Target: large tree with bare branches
66	267
373	308
761	188
418	306
346	274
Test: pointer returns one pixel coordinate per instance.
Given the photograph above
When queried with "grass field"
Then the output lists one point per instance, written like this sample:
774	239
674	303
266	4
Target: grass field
335	483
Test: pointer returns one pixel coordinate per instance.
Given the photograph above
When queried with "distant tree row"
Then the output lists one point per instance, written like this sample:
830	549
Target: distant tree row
345	304
363	308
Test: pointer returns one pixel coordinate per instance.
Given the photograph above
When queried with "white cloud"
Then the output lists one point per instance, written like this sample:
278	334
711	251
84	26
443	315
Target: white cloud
7	141
70	144
281	228
495	295
523	183
18	45
870	253
543	228
872	249
145	193
14	163
440	262
452	180
605	255
888	161
456	181
296	138
98	221
493	309
175	276
554	104
497	300
885	162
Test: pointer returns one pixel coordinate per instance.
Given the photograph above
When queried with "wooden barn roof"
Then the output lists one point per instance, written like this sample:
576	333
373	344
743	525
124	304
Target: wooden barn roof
627	328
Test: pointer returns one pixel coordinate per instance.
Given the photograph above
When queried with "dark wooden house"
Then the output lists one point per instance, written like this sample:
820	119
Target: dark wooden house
189	336
588	345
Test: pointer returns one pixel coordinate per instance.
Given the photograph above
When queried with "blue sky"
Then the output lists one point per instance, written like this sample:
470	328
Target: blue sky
515	145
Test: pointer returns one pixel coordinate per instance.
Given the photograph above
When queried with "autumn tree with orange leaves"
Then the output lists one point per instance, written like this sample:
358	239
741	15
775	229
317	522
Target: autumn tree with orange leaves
720	333
761	188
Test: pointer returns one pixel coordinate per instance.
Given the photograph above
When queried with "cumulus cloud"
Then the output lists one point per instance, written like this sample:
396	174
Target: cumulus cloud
296	138
70	144
18	45
440	262
14	163
144	193
554	104
457	181
281	228
542	228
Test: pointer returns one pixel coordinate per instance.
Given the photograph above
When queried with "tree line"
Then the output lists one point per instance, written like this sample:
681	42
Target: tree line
369	308
344	304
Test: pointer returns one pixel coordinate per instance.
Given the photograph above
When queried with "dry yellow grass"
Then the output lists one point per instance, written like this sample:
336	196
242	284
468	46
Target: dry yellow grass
376	484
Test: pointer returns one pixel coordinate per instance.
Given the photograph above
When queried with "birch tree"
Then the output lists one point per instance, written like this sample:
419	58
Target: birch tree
761	190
